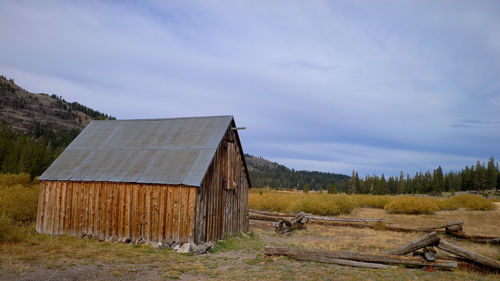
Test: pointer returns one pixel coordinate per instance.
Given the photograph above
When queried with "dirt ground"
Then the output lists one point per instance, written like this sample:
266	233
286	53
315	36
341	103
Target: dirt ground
242	258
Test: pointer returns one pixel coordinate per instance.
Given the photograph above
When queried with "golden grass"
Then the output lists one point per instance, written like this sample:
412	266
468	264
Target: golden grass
412	205
315	203
335	204
18	206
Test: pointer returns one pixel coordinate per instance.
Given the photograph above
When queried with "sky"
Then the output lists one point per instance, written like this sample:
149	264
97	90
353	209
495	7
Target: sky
335	86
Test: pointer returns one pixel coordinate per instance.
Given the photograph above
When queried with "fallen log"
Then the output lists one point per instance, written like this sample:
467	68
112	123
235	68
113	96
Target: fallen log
426	240
351	263
311	216
317	255
274	214
263	217
474	238
284	226
468	255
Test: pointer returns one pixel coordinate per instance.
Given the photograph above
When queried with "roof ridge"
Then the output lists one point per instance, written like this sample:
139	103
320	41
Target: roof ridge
161	119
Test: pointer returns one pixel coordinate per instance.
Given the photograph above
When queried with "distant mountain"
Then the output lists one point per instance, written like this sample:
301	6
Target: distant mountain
266	173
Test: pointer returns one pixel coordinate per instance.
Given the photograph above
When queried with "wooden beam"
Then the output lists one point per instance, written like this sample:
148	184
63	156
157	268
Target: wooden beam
426	240
468	255
318	255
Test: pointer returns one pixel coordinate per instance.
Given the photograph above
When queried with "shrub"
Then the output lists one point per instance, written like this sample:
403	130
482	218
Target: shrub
448	204
18	207
19	203
271	201
324	204
13	179
372	201
412	205
474	202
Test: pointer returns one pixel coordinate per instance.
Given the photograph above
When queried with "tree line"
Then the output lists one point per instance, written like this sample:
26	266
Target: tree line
479	177
31	154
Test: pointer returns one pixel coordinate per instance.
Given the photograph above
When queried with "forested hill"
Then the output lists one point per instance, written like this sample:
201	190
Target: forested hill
266	173
35	128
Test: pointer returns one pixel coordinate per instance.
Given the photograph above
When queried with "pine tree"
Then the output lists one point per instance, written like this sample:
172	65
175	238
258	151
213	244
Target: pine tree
306	188
492	173
332	189
437	181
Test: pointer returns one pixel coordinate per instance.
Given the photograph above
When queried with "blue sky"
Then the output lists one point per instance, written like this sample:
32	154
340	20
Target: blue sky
374	86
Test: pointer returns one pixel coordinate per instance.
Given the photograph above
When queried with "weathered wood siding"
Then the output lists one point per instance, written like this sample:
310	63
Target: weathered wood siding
222	199
117	211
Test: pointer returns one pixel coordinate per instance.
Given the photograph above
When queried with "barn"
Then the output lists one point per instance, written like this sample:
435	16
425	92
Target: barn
153	180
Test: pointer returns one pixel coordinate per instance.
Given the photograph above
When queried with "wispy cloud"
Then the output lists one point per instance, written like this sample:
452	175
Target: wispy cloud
415	76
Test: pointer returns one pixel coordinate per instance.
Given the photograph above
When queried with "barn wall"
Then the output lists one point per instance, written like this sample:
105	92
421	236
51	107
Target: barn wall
222	199
117	211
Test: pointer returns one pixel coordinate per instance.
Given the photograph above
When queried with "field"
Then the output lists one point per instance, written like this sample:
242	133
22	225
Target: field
40	257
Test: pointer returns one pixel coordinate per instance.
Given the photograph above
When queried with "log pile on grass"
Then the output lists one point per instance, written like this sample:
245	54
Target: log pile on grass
428	257
454	228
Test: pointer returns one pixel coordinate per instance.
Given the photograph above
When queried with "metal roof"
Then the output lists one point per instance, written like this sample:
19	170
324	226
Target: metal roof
165	151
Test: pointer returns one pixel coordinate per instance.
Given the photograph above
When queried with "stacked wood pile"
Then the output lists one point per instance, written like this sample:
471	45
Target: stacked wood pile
454	229
429	258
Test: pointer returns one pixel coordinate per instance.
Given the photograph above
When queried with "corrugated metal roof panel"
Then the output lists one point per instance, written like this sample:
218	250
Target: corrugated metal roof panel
199	168
166	151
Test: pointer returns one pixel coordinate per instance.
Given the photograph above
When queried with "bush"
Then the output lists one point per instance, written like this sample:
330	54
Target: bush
448	204
412	205
18	207
13	179
372	201
19	203
318	204
474	202
324	204
271	201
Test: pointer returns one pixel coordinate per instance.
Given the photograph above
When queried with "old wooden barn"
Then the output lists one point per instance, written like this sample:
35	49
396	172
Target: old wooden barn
157	180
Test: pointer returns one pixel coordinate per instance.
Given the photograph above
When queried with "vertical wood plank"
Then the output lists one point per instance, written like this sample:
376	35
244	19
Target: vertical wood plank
97	211
68	211
90	219
185	212
128	199
147	225
176	212
191	213
121	211
62	213
154	212
39	213
57	213
74	208
109	211
161	218
141	212
46	202
102	216
135	213
115	210
169	214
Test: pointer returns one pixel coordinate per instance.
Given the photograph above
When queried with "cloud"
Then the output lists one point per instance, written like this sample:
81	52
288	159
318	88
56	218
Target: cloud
408	77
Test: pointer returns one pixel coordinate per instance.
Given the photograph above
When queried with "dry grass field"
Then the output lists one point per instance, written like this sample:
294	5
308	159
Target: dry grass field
26	255
67	258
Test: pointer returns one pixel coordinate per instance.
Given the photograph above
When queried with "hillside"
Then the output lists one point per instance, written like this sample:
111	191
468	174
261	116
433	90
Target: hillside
29	113
35	128
266	173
